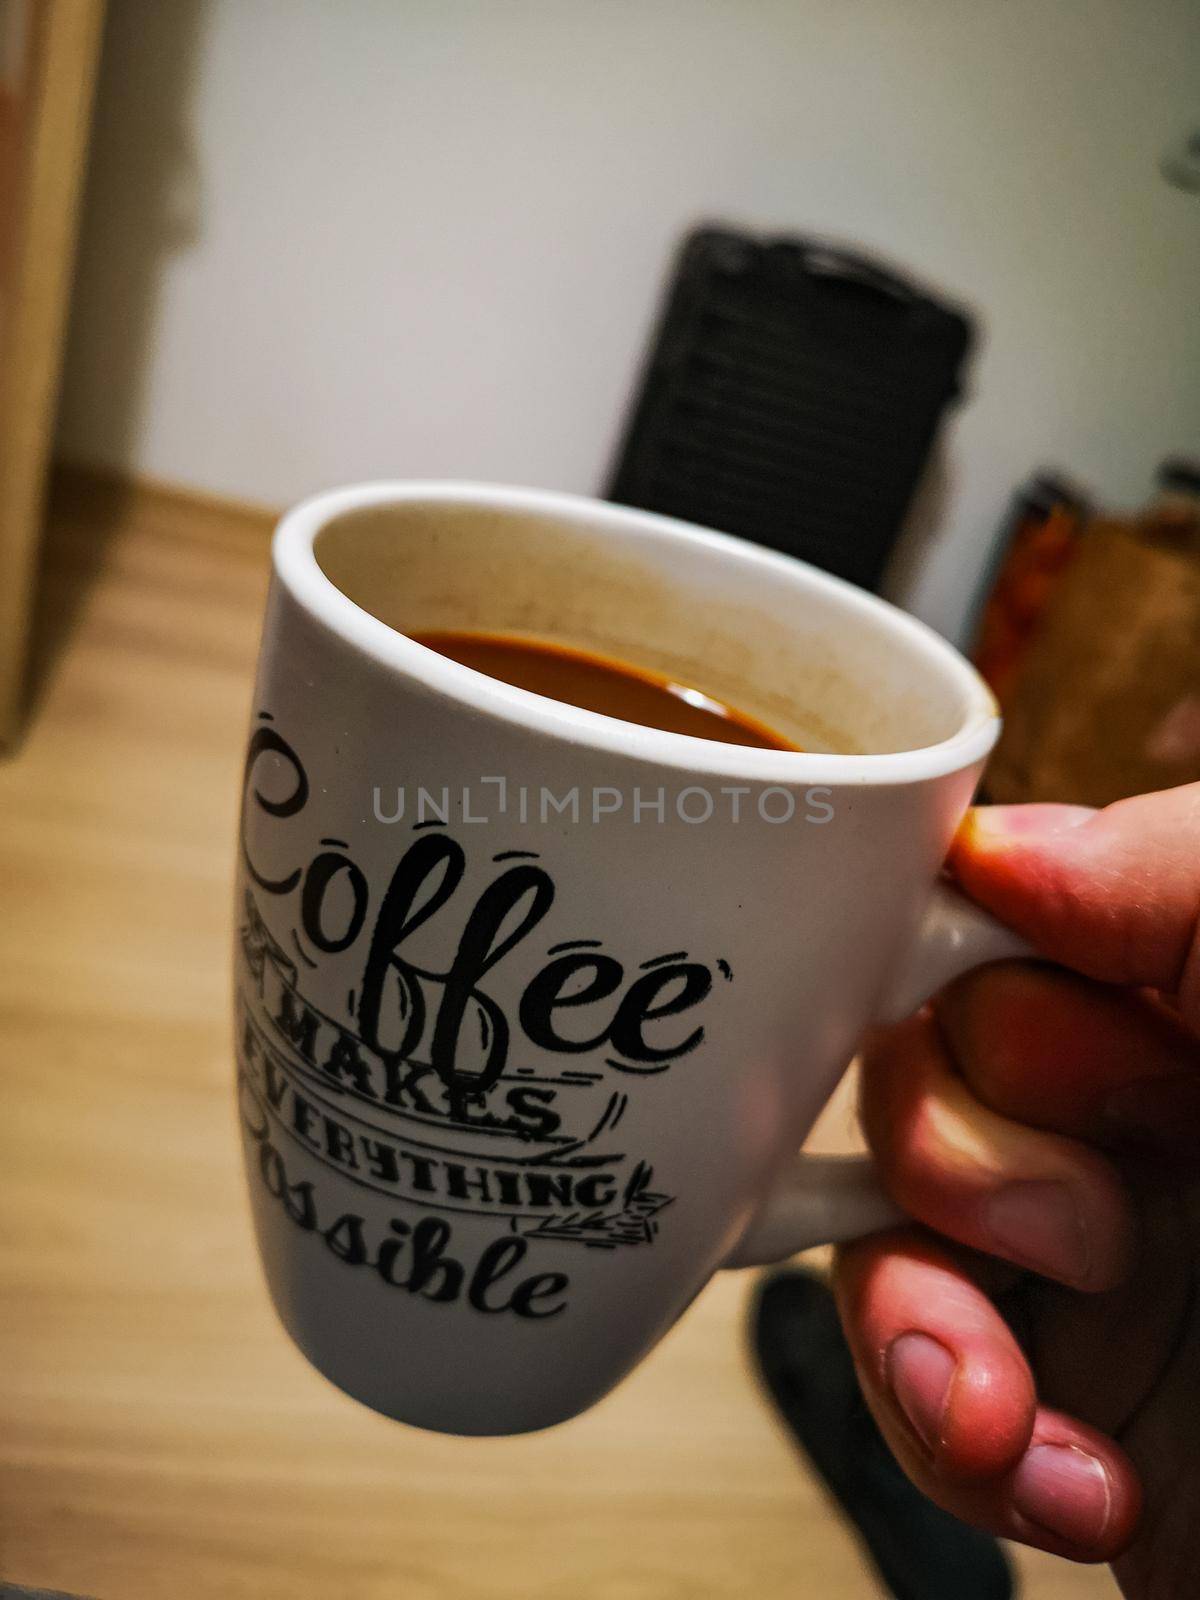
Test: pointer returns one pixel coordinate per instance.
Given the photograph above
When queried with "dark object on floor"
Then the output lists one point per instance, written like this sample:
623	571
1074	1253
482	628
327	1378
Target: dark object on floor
791	395
10	1591
921	1552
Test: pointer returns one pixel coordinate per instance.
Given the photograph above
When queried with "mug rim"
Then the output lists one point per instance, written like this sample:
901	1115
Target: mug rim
297	569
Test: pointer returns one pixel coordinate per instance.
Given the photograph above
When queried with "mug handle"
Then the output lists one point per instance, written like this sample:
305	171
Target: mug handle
832	1199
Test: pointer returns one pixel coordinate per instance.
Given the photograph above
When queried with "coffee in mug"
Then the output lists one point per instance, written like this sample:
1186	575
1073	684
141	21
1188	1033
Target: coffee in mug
596	683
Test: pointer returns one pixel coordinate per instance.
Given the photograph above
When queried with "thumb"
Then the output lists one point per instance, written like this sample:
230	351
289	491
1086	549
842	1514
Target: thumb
1113	893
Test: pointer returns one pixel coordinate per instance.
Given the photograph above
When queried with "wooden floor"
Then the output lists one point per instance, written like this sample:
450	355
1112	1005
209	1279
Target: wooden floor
159	1436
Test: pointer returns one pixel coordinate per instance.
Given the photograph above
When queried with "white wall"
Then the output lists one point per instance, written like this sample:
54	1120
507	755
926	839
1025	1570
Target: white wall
332	239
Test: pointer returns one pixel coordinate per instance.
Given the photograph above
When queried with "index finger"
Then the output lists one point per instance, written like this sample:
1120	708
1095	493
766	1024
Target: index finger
1115	894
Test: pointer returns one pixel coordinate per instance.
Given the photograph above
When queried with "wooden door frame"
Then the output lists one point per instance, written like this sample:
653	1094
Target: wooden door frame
44	136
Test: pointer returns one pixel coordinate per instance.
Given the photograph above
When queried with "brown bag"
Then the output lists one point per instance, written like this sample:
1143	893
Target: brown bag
1108	701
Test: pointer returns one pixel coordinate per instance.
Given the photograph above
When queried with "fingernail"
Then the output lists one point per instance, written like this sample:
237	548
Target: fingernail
919	1372
1025	822
1038	1225
1065	1491
1156	1111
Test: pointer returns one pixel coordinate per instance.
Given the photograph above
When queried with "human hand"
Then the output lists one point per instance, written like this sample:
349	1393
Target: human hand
1032	1352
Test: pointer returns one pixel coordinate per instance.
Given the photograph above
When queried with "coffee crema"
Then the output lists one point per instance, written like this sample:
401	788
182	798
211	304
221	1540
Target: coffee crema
593	682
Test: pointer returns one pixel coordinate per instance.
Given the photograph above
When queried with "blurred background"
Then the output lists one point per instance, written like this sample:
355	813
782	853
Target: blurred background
254	248
429	239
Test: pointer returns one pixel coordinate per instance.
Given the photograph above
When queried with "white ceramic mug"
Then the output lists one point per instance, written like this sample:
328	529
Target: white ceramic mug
535	1007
